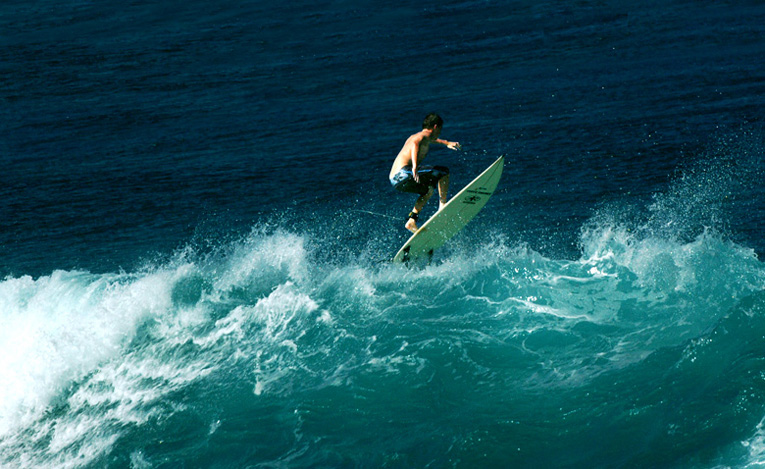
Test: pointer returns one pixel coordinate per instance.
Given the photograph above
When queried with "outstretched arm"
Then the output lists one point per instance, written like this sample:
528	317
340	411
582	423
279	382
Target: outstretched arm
450	145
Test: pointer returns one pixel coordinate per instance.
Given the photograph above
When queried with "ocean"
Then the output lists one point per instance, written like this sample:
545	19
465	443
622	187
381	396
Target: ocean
197	225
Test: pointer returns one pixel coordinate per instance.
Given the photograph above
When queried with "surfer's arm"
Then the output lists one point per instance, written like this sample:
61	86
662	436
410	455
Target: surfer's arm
415	159
449	145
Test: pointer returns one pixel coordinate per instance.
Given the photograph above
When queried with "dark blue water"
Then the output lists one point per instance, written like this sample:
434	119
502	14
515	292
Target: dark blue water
196	217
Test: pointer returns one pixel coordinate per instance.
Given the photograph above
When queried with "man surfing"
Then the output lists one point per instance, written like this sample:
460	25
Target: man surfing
409	175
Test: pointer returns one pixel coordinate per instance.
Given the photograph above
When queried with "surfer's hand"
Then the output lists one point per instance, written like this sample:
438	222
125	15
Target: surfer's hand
454	146
415	176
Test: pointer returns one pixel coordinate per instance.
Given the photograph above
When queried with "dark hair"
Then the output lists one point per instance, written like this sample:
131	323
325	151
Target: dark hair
432	120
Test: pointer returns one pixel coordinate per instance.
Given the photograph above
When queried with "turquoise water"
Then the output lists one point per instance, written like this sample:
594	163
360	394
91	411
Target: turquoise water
643	351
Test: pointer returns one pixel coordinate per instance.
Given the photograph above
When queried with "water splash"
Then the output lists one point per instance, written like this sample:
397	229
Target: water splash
262	327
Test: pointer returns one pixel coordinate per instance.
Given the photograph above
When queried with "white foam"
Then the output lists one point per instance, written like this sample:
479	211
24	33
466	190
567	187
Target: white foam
531	305
756	447
282	254
55	331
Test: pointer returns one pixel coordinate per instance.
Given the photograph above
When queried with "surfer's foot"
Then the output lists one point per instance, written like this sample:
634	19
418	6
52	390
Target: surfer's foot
411	225
441	204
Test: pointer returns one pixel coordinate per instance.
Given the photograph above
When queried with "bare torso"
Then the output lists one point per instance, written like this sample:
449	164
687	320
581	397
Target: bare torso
417	144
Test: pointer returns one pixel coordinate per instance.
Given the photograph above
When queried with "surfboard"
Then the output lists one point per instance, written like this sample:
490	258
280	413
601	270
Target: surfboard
453	217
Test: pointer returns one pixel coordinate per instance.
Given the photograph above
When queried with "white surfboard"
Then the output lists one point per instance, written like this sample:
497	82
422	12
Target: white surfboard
453	217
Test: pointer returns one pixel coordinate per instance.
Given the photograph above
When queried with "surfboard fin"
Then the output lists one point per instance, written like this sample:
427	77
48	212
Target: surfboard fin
405	259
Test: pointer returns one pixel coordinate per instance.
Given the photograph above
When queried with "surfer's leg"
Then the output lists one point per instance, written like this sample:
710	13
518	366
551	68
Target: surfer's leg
443	190
411	223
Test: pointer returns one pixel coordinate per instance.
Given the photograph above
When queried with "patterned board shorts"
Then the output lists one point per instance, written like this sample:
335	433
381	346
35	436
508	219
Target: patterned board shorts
403	180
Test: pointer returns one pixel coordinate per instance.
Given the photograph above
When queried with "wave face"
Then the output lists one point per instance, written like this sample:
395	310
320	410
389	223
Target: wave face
260	352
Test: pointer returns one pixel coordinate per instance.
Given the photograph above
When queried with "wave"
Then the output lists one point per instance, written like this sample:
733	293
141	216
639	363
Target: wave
97	360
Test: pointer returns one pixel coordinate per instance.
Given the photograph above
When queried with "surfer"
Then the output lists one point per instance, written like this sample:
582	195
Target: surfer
409	175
